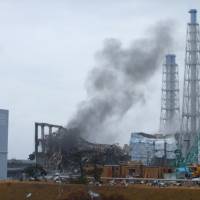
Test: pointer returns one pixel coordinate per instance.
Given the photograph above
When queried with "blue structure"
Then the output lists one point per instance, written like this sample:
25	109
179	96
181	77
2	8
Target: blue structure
145	147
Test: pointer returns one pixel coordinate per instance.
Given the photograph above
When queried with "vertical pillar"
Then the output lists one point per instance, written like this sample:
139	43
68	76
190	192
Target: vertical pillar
4	115
50	130
193	60
165	153
36	142
171	90
42	138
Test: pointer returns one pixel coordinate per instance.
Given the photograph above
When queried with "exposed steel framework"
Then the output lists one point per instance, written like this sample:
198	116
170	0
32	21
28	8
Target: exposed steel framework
191	90
170	109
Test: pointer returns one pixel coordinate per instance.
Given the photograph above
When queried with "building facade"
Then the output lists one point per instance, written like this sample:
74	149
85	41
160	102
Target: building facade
147	148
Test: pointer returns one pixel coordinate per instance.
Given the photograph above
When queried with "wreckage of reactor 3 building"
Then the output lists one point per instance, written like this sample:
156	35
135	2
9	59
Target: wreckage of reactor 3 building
57	147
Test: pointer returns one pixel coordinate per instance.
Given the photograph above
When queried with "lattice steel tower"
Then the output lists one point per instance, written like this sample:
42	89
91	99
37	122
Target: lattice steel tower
170	109
191	92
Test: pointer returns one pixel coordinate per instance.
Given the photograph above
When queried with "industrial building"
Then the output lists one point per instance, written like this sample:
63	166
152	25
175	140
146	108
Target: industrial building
179	134
153	149
159	149
178	138
43	131
54	142
16	168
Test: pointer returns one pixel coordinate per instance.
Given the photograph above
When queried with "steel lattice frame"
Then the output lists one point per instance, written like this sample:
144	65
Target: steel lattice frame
170	109
191	90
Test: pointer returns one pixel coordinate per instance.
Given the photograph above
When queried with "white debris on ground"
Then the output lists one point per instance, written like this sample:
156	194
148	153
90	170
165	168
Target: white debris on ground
124	183
28	195
93	195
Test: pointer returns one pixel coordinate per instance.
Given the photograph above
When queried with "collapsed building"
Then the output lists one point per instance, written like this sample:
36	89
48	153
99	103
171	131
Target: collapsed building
58	148
52	149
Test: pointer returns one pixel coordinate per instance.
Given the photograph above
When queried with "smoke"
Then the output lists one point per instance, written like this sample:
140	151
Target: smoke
117	81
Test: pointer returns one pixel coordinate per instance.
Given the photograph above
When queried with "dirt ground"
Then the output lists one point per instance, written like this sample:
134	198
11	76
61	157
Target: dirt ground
51	191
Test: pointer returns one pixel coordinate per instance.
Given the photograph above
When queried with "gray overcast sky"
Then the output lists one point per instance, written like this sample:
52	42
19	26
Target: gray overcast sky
48	47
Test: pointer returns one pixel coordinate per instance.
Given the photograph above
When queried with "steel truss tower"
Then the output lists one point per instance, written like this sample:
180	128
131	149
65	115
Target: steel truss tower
170	109
191	90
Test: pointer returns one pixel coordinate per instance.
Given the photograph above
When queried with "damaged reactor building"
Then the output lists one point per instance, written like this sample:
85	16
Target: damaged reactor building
178	135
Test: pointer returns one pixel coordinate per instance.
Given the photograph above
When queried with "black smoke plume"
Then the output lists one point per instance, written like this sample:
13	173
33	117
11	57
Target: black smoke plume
117	81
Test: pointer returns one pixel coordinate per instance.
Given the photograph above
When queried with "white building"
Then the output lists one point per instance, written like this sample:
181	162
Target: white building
3	143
